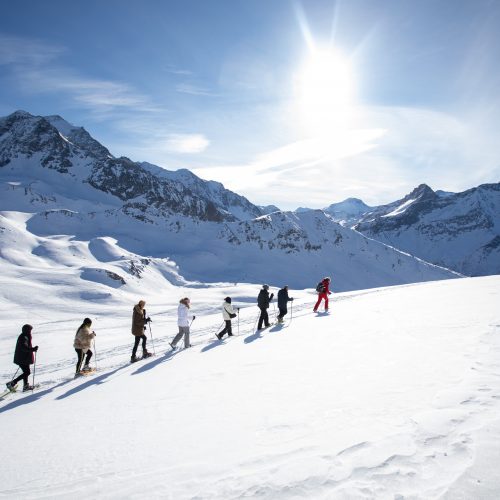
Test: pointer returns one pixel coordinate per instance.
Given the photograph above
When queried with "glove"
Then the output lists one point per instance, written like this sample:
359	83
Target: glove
149	320
291	299
271	297
194	317
144	327
35	349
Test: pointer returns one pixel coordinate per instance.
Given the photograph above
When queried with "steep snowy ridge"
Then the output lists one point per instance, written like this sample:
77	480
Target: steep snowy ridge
84	193
459	231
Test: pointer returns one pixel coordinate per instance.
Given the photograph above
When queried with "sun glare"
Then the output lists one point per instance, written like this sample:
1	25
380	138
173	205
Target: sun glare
324	88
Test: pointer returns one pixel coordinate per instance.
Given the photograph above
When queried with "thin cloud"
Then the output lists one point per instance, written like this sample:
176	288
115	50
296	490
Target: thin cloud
186	143
21	51
187	88
34	66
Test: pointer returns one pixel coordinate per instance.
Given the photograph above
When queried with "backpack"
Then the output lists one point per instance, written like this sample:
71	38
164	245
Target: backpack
320	288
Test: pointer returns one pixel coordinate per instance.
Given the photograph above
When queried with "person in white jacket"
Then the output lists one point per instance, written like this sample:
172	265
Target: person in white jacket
182	323
227	313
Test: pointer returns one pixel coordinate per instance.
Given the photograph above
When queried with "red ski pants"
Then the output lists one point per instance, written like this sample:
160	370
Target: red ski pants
322	296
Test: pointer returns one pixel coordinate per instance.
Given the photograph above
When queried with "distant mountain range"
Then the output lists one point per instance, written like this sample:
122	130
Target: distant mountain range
70	189
460	231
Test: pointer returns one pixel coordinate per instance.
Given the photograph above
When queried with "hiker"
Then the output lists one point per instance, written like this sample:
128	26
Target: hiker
183	323
23	357
82	344
263	301
323	290
139	321
283	300
228	314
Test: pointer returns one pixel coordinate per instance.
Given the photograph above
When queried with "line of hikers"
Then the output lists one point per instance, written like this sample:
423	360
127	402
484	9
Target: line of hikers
24	354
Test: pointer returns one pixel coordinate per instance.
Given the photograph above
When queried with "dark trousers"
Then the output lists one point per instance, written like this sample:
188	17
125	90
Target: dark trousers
227	329
81	355
136	343
24	376
283	311
264	318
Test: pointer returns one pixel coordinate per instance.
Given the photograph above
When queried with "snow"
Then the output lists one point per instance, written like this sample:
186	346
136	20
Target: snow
394	394
400	209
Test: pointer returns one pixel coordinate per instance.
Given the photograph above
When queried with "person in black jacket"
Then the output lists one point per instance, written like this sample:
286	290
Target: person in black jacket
23	357
283	300
263	301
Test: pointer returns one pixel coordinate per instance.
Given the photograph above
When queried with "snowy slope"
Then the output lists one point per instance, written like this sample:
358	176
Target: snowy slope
395	394
460	231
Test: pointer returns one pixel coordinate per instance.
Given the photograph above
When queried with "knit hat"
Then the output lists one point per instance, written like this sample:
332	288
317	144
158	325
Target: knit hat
27	329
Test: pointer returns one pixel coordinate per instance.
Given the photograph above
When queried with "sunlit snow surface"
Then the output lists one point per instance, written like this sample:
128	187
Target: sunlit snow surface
394	394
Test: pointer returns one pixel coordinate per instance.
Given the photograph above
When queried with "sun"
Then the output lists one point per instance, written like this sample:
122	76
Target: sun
324	92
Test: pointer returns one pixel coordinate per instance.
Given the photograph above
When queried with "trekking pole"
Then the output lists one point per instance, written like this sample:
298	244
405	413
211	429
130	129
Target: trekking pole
256	319
291	311
34	371
151	335
95	355
14	376
238	320
219	327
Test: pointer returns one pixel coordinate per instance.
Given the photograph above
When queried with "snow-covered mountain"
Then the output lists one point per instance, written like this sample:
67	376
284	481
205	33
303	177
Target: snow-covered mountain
31	142
460	231
347	212
69	189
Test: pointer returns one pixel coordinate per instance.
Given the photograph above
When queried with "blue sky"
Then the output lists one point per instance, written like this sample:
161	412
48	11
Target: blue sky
287	102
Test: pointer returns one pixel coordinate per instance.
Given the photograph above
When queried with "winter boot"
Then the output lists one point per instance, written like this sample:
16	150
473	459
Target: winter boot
27	388
134	358
12	387
86	368
146	354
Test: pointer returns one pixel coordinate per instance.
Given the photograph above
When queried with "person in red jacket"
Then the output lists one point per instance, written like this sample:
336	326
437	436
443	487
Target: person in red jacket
323	290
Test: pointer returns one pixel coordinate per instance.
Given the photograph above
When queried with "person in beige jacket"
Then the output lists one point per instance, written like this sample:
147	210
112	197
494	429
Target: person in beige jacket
82	344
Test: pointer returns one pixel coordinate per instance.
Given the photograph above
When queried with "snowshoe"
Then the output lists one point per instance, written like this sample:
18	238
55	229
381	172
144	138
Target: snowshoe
11	387
134	358
28	387
146	354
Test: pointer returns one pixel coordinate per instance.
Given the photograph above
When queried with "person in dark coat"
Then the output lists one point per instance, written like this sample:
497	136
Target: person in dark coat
283	300
263	301
139	321
23	357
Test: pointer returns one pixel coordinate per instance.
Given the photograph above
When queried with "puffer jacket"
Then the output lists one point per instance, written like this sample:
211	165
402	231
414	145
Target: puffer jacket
83	338
227	309
23	354
182	315
138	321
